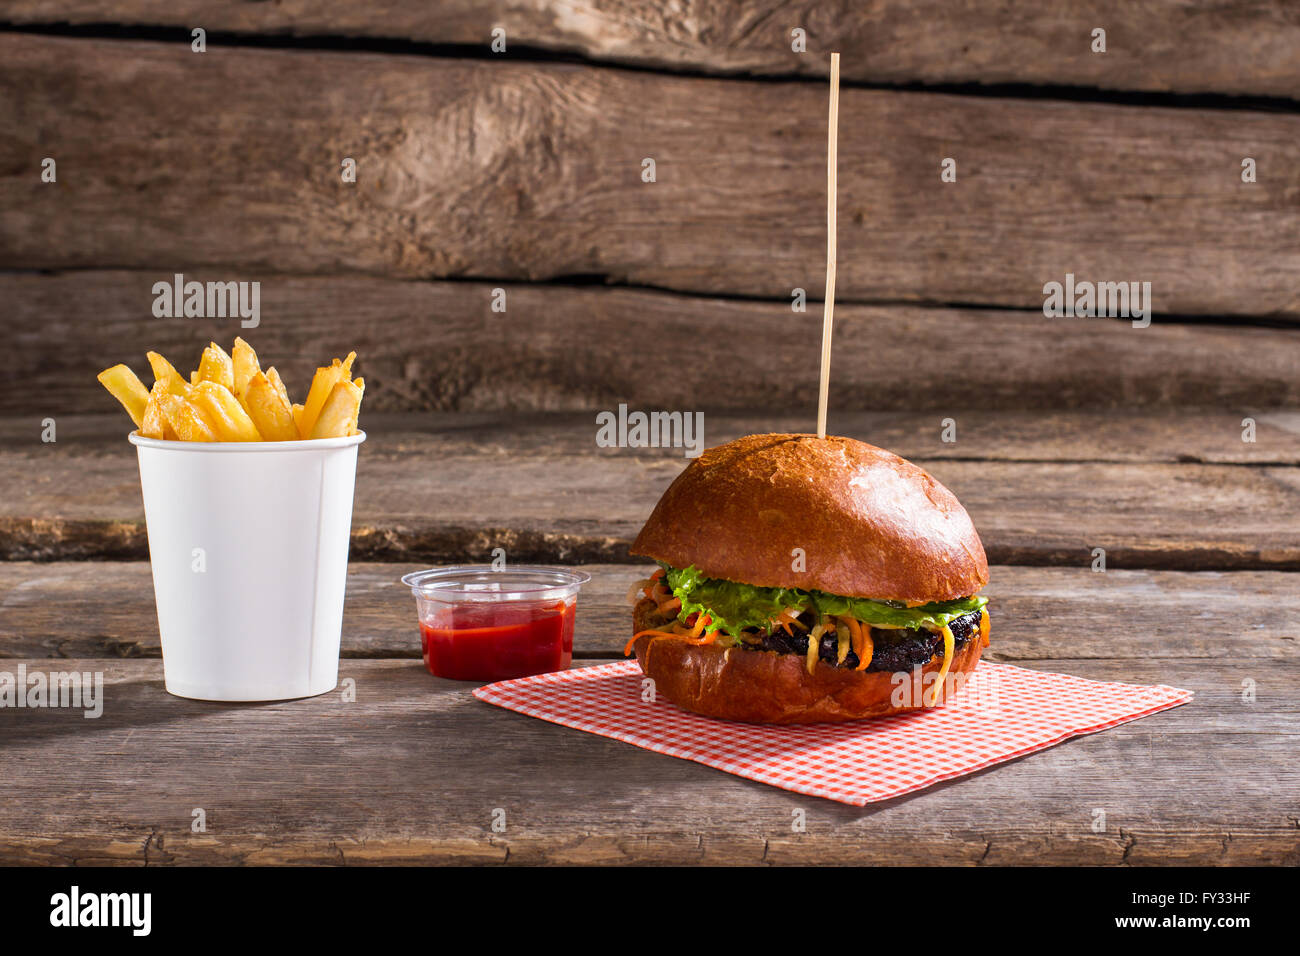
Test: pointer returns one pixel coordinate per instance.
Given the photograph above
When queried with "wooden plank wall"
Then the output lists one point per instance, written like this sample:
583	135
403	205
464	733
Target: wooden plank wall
522	171
1233	46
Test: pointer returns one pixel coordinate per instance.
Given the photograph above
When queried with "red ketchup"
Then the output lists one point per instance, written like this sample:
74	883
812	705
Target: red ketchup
487	623
498	641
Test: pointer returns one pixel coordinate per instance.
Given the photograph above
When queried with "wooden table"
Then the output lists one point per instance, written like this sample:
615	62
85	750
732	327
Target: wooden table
414	768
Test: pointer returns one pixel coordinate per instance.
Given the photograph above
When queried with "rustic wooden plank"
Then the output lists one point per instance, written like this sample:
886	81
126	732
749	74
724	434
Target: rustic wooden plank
1185	435
328	781
541	504
440	346
105	609
1235	47
499	170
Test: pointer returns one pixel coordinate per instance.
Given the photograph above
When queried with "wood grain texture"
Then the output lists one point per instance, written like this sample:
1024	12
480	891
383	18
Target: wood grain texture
439	346
1136	436
74	500
60	610
178	161
330	782
1234	47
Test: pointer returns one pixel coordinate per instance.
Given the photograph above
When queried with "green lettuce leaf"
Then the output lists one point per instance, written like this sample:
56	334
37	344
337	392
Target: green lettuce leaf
734	606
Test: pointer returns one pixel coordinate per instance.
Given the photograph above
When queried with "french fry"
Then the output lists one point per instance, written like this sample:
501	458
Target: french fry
153	424
216	366
185	419
269	410
194	377
244	366
165	372
322	386
223	411
338	417
126	387
274	377
298	412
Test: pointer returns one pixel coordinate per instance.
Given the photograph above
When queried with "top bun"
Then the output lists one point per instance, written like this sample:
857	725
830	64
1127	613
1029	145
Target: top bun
870	523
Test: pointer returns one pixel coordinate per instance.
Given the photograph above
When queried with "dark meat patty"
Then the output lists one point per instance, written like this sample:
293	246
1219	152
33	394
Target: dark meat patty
894	650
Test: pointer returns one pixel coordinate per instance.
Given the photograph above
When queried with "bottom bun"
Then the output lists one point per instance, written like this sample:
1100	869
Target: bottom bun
764	687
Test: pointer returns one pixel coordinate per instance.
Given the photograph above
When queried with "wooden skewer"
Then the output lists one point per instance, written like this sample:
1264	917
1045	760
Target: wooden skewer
828	312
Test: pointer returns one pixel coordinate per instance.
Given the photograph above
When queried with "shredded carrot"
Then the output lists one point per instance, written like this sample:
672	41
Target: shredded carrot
652	586
984	626
868	648
786	618
694	636
855	635
628	648
674	605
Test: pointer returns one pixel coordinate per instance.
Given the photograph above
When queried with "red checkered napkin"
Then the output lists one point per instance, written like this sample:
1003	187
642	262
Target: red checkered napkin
1001	712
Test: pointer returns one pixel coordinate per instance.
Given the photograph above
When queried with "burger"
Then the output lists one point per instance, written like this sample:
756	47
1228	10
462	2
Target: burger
805	579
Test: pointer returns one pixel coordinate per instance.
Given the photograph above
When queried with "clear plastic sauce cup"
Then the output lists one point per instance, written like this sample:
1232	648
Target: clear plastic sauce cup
480	623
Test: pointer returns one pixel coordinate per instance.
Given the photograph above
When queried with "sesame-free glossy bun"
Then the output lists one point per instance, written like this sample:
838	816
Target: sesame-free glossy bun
765	687
870	524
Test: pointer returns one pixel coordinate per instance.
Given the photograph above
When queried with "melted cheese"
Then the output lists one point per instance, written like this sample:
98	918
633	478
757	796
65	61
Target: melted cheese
948	643
814	647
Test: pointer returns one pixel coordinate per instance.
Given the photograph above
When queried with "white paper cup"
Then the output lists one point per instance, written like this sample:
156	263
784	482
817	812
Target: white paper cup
249	546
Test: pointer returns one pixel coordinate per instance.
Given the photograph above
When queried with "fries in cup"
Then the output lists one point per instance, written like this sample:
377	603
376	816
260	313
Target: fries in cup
322	385
224	413
216	366
338	417
186	420
269	409
273	377
244	366
154	425
165	373
123	385
229	398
